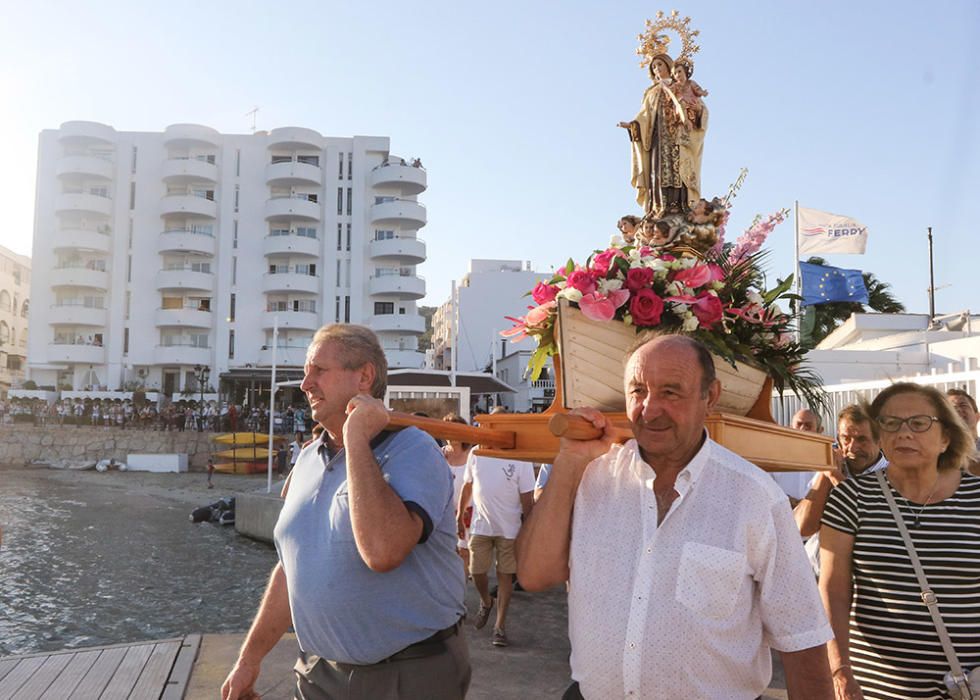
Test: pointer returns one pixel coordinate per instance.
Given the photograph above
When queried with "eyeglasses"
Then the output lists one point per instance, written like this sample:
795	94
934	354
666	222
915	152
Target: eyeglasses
917	424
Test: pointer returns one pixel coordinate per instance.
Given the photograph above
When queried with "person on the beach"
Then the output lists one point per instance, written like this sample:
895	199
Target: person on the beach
368	574
210	472
684	564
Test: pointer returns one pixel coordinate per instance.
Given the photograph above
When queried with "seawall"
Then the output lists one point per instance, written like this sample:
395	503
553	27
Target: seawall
20	444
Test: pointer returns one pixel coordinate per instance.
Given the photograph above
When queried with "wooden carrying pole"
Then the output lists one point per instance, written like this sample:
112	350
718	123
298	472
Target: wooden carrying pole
578	428
447	430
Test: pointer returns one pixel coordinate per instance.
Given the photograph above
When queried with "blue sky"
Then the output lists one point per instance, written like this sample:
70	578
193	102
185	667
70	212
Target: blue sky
868	109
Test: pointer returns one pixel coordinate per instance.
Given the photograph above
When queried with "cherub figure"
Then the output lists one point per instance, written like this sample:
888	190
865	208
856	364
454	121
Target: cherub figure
627	225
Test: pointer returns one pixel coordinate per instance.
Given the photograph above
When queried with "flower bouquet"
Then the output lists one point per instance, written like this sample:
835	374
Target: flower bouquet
718	297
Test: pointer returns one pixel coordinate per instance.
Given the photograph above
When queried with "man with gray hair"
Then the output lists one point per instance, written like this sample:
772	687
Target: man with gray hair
683	561
368	573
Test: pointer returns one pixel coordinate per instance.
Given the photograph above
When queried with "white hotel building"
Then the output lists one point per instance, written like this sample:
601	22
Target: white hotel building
155	253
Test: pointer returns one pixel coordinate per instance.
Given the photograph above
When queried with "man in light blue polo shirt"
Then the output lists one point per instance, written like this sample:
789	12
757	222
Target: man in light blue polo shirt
368	572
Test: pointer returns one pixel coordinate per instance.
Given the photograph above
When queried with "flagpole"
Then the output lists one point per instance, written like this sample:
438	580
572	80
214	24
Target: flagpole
799	280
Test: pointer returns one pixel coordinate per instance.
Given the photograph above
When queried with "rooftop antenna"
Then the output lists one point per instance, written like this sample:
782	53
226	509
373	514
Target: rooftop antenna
251	113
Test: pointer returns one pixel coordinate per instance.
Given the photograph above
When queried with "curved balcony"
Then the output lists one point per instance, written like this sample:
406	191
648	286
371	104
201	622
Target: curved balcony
77	315
292	208
188	170
403	323
397	212
293	173
410	250
86	132
291	356
300	320
76	354
81	239
184	241
404	359
291	245
181	355
87	203
185	278
187	317
294	137
188	204
403	287
183	135
290	282
78	277
86	166
408	180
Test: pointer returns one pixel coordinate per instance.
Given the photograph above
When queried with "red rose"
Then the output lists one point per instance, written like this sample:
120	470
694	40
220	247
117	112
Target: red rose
638	277
707	308
581	280
543	293
646	308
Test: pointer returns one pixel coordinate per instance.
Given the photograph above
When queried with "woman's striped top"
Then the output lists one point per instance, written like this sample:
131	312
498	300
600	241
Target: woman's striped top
894	648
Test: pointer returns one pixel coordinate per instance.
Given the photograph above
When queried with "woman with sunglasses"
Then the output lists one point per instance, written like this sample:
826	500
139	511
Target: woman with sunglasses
886	645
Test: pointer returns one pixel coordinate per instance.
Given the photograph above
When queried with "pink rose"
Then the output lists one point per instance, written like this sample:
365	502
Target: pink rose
638	278
543	293
602	261
707	308
646	251
581	280
646	308
602	308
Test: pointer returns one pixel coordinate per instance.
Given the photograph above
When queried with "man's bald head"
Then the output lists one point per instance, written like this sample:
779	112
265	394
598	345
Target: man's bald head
806	420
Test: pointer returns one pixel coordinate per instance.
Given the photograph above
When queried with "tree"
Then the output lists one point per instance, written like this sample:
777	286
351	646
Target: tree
821	319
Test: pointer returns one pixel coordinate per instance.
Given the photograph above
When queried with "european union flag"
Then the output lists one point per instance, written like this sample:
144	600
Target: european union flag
823	284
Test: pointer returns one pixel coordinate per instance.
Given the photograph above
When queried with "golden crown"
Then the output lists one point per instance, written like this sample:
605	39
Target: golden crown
653	42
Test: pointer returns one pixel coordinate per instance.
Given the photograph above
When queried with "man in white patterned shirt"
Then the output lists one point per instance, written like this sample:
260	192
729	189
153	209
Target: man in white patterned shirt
684	564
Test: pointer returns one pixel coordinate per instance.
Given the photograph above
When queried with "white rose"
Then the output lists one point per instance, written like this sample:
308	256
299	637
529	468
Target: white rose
690	323
606	286
570	293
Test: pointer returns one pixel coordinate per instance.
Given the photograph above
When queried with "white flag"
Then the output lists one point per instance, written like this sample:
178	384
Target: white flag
823	232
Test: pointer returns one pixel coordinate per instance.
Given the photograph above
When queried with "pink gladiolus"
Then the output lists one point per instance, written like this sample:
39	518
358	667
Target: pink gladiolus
543	293
581	280
603	308
538	315
646	308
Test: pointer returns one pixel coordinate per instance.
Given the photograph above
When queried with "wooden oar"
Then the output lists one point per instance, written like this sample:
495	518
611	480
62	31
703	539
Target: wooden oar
447	430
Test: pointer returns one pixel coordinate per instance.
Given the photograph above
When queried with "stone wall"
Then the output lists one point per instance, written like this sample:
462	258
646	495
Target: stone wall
21	445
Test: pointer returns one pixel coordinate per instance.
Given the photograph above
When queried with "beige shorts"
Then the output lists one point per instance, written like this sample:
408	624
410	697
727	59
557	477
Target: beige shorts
482	554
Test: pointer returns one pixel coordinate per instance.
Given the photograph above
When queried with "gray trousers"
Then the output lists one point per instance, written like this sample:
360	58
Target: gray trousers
442	676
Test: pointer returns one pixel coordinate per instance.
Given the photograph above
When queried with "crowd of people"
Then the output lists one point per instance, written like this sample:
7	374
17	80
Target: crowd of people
206	416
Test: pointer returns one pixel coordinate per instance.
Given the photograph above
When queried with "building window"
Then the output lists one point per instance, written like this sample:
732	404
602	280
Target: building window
231	309
129	299
234	231
130	234
338	272
132	196
231	344
132	166
350	166
384	308
340	174
336	313
129	269
349	200
125	341
348	233
238	162
340	236
237	192
234	270
347	309
340	201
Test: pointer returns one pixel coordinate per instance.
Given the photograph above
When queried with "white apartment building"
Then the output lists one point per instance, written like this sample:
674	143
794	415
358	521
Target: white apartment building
162	252
15	284
490	291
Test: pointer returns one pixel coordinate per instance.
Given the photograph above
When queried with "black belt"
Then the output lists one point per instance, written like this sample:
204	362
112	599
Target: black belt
430	646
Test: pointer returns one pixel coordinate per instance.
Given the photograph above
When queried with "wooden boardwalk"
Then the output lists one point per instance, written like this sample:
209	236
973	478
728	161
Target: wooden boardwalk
156	670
